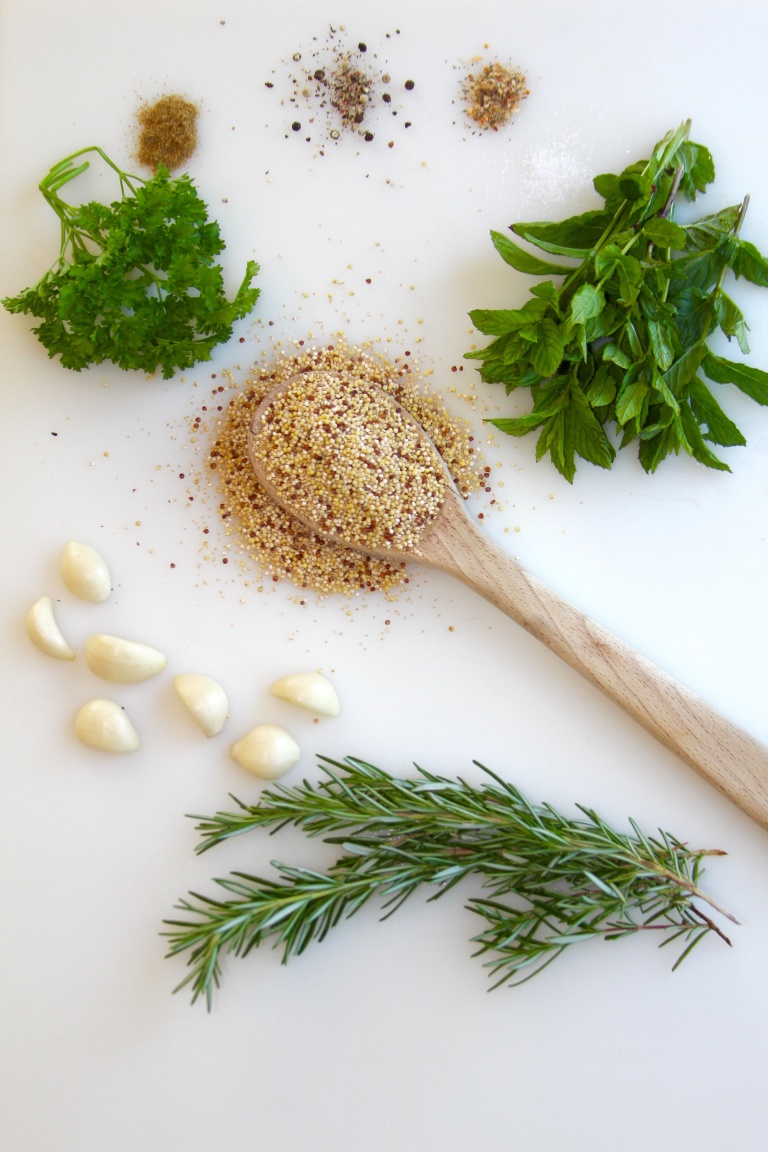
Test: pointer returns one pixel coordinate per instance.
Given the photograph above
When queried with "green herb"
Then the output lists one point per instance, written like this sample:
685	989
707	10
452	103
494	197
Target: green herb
135	282
550	881
623	339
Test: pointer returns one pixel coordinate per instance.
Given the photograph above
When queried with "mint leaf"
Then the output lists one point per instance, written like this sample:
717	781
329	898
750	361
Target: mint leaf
656	448
497	321
615	355
586	432
698	168
720	430
601	390
631	400
731	320
633	186
711	230
547	352
575	236
523	261
605	185
684	369
570	429
696	442
547	291
588	302
519	425
662	341
665	233
750	263
752	381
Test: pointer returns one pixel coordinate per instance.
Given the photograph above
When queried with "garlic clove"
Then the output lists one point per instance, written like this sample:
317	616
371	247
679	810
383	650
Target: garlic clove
308	690
85	572
103	724
124	661
44	632
205	699
266	751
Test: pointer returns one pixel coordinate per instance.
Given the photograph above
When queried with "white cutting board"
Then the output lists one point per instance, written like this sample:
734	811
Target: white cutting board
384	1036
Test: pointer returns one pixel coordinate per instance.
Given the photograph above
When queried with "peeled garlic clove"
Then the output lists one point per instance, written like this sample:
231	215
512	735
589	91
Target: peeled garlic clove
205	699
85	572
44	632
124	661
103	724
308	690
266	751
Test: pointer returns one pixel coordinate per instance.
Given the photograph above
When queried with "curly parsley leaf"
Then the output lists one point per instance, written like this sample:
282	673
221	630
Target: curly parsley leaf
136	282
622	341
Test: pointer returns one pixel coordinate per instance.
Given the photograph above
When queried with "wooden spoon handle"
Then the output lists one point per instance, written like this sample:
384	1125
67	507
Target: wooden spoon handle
728	757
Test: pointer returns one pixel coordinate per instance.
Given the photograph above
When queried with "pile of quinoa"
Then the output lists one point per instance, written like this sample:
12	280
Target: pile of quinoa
277	543
349	460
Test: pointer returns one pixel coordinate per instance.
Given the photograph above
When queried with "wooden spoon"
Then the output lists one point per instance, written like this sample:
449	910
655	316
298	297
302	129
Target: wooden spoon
728	757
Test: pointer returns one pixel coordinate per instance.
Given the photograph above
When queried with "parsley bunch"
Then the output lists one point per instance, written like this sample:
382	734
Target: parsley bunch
135	282
623	340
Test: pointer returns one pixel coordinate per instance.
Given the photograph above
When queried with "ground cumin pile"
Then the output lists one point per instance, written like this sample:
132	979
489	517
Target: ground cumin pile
168	133
276	543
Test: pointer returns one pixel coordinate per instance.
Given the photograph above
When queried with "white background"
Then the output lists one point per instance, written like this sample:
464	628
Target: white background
384	1036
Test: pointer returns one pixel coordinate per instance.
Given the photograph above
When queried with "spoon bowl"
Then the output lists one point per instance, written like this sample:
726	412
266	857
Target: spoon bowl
368	478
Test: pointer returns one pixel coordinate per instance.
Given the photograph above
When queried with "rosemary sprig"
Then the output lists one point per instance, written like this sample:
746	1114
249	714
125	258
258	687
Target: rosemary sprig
552	881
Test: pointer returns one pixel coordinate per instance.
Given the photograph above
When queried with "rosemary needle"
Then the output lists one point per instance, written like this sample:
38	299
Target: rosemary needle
550	881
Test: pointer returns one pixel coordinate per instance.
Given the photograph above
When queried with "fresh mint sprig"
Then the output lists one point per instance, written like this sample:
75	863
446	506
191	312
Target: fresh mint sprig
135	282
622	340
